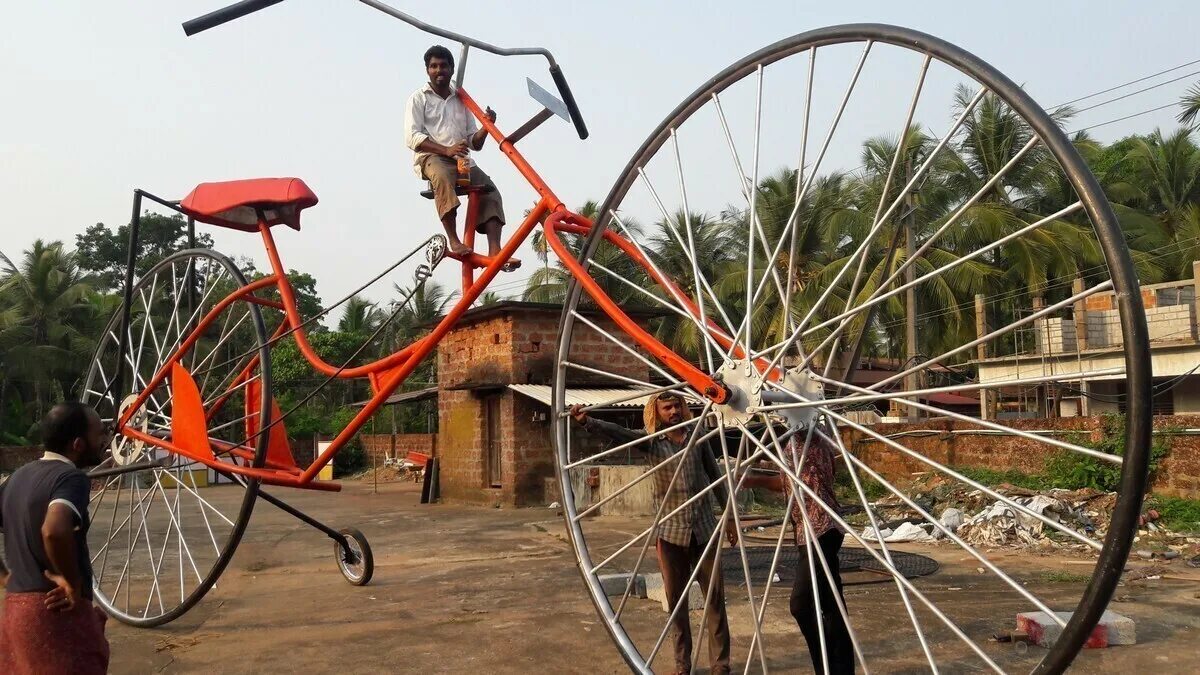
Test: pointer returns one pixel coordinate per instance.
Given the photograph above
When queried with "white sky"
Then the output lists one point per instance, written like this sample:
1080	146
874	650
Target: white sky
102	97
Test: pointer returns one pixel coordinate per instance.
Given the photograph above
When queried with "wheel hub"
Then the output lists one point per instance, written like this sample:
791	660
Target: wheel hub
126	450
748	393
804	384
745	391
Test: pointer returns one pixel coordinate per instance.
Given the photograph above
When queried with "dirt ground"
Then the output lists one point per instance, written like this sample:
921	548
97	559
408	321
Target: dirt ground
468	589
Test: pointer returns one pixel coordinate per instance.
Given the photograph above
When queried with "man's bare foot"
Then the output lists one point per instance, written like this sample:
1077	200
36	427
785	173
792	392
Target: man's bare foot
459	248
511	264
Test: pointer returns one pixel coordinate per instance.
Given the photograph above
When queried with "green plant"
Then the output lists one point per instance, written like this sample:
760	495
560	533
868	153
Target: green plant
1064	577
1177	513
843	487
1010	476
1073	471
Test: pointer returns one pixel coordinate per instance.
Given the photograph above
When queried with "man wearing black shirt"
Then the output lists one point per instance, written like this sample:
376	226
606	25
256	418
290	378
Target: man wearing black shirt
49	624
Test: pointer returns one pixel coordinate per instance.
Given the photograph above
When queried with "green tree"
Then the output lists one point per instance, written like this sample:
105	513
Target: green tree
103	253
1190	102
48	324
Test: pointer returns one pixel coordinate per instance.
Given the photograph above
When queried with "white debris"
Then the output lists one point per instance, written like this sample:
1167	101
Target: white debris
905	532
952	519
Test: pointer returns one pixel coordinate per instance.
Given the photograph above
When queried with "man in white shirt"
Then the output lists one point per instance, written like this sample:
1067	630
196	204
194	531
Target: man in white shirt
439	129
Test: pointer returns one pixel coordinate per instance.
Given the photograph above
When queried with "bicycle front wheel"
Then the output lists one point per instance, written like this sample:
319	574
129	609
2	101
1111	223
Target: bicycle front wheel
789	217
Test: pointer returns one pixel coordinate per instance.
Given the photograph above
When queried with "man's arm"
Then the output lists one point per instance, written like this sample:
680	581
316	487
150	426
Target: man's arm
417	138
58	538
614	431
714	473
479	137
3	568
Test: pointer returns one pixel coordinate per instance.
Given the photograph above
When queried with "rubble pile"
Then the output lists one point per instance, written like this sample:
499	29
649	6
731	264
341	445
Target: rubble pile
986	522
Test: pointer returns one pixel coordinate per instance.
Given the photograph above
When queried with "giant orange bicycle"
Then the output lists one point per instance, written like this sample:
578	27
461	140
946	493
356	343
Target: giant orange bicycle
768	309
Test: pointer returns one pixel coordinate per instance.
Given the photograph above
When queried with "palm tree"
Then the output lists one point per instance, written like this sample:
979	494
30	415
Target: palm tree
360	316
47	324
1190	102
414	312
489	298
550	283
1167	170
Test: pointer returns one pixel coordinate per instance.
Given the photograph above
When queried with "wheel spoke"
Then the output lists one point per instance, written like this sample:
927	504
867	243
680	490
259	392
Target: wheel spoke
971	550
975	484
806	271
691	249
896	574
917	176
154	553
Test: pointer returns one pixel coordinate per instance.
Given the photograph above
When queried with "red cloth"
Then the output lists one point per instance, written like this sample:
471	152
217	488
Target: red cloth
38	641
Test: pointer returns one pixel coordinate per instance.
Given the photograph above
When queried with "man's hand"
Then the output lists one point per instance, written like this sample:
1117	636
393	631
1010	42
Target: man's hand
4	579
731	532
62	597
578	413
457	150
491	114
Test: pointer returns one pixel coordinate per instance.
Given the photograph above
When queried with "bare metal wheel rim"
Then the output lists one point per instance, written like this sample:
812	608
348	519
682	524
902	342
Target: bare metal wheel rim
354	559
665	194
161	536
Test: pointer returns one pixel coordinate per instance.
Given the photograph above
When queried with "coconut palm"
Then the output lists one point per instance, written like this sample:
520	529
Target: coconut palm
47	324
1190	102
360	316
1167	169
550	282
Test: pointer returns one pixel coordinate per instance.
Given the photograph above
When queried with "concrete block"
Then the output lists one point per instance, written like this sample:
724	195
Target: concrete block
615	584
655	591
1113	629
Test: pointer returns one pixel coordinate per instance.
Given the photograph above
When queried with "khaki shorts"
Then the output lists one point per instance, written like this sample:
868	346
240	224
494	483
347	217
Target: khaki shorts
442	174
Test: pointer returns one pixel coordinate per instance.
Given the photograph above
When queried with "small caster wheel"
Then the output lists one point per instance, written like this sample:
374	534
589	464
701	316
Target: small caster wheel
354	559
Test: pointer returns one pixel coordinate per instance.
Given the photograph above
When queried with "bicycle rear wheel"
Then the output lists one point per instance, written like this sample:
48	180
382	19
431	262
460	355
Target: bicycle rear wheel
161	536
780	281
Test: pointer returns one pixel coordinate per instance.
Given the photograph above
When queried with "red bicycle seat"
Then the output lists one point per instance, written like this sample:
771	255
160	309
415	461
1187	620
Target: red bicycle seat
237	203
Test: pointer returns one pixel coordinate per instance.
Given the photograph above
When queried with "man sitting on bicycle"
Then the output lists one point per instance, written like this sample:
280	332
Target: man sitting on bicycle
439	130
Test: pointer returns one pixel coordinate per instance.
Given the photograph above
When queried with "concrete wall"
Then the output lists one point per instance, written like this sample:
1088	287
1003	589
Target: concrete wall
1055	335
1178	474
1170	323
380	445
636	501
1187	396
13	457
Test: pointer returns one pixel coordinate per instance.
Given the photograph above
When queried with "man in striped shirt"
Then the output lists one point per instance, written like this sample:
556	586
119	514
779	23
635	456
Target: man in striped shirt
684	531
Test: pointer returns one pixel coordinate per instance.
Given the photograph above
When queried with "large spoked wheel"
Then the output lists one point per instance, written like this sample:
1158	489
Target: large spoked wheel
161	535
797	207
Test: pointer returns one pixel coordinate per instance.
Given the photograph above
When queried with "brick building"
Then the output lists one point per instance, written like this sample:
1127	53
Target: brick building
495	445
1087	337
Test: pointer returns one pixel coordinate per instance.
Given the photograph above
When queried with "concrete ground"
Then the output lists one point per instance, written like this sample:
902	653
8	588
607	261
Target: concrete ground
469	589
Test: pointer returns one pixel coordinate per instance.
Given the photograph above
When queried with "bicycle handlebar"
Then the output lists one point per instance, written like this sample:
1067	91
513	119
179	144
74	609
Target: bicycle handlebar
564	90
244	7
225	15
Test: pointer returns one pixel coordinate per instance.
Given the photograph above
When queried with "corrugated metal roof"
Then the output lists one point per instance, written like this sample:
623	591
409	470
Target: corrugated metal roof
407	396
542	394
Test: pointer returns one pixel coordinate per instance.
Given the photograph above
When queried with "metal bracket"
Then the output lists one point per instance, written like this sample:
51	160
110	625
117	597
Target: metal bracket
550	101
533	123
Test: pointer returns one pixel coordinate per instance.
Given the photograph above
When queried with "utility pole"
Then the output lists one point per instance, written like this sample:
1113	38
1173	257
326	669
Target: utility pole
911	381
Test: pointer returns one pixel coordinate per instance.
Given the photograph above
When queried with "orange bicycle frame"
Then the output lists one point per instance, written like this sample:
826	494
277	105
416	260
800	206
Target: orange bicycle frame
387	374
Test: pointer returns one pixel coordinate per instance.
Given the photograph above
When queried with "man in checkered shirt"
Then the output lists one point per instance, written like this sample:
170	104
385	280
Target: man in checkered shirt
682	535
